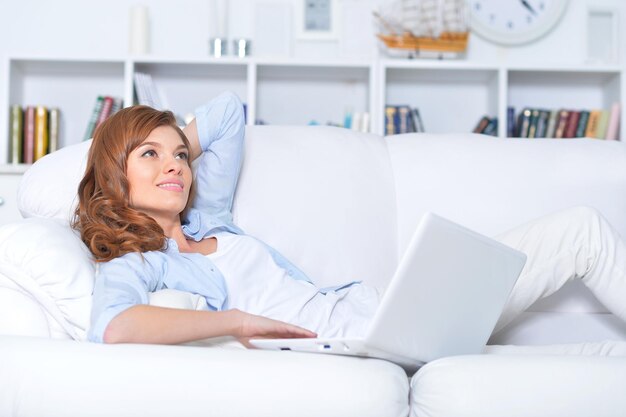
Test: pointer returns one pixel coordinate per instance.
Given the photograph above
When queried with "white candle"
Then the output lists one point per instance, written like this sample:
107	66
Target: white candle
221	7
139	36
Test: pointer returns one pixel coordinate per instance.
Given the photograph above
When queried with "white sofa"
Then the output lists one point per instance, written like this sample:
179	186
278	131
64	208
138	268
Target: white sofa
342	206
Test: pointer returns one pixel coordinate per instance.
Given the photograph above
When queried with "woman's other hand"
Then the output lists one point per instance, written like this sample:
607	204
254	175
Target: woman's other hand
258	327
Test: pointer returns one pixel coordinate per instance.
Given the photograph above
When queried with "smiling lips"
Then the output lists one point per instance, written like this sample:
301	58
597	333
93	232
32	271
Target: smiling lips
171	185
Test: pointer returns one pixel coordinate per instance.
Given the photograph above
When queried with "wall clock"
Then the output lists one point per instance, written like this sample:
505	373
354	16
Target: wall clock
514	22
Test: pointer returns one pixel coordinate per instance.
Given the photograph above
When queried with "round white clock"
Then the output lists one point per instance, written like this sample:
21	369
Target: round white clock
514	22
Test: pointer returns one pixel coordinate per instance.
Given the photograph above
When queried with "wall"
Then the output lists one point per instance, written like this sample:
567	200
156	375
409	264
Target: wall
182	28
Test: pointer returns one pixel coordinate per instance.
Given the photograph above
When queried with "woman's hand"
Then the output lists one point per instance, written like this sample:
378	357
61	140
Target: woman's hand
258	327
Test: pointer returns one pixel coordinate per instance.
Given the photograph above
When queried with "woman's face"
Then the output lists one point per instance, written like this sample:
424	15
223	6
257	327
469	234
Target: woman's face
159	174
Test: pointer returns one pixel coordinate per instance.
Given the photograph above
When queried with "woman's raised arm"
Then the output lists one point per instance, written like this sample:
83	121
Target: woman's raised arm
216	136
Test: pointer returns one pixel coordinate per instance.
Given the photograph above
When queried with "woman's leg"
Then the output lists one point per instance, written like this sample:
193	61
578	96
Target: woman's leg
576	242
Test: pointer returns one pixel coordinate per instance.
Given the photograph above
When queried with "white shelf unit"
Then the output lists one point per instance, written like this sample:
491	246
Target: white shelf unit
451	95
321	92
69	84
565	88
185	85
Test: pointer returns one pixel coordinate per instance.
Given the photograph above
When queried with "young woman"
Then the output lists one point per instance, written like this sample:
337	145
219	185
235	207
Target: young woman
151	226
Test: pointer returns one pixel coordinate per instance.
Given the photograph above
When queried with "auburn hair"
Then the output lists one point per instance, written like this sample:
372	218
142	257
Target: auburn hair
107	223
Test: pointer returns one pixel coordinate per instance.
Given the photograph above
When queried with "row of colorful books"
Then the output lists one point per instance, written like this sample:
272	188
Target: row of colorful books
33	133
402	119
565	123
487	126
104	107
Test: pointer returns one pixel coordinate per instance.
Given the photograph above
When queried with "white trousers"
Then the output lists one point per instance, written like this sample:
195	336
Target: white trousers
573	243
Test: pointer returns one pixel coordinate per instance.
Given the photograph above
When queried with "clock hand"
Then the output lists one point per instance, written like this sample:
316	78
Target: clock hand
528	6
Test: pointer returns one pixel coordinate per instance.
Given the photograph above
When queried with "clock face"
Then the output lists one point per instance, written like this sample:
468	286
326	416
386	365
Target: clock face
514	22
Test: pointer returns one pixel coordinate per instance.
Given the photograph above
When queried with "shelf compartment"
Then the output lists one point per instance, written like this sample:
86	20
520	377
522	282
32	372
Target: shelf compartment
186	85
300	94
72	86
450	100
553	90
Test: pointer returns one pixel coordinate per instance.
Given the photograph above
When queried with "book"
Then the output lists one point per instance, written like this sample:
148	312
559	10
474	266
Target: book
404	113
592	124
147	92
552	122
524	123
93	120
16	134
561	124
353	120
612	131
365	122
41	132
53	129
417	119
481	125
492	127
542	124
510	122
390	115
582	124
29	135
105	111
572	124
118	103
534	120
603	123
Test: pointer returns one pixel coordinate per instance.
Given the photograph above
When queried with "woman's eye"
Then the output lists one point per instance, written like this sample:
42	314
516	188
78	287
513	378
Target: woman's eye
182	155
149	153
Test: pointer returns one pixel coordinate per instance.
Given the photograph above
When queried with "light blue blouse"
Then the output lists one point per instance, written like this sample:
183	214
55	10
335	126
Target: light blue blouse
126	281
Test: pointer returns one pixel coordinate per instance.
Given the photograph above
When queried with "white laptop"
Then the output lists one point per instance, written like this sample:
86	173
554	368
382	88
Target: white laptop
444	299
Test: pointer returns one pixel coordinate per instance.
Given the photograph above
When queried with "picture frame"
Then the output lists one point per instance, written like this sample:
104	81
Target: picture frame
603	35
317	20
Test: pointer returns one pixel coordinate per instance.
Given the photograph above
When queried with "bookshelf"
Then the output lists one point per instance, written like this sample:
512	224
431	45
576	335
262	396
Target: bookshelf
450	98
451	95
186	85
69	84
307	87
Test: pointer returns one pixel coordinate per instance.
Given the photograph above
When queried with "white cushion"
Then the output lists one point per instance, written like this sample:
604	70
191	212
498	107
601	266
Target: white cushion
49	188
491	185
520	385
43	377
47	260
322	196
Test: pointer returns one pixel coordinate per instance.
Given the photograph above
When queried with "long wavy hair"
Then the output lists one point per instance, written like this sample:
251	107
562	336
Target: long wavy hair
107	223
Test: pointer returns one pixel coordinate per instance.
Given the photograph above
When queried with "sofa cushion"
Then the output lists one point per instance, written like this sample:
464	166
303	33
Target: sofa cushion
324	197
66	378
558	381
49	188
47	271
492	185
46	260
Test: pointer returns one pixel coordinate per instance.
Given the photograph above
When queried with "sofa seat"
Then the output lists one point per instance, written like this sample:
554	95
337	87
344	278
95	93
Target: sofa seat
519	384
44	377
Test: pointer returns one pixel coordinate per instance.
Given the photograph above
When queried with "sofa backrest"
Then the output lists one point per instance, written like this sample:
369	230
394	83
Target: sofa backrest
491	184
322	196
342	205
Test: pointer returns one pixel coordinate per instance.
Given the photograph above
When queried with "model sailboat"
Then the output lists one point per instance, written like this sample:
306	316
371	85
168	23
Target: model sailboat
439	26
